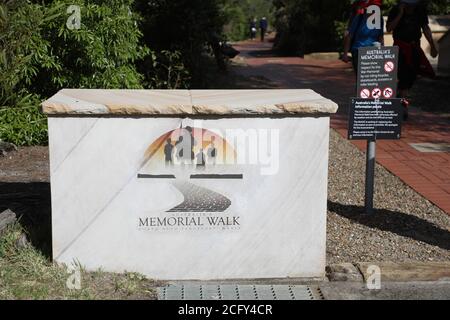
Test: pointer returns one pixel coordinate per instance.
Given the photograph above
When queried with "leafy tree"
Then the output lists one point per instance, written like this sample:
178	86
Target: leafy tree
21	49
100	54
317	25
307	25
237	22
39	55
184	26
239	13
435	7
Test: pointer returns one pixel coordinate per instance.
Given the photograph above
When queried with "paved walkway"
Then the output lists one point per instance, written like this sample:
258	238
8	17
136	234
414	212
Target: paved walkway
426	172
340	290
398	281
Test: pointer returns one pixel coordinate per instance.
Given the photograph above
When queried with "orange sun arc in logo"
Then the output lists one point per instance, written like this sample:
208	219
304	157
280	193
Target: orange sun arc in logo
207	138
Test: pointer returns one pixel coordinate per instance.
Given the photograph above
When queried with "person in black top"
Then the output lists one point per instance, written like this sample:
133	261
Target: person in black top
263	26
168	152
185	146
407	20
201	160
253	29
358	33
212	152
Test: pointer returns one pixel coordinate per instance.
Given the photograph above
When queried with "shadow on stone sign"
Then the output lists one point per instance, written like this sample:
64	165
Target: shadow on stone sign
31	204
400	223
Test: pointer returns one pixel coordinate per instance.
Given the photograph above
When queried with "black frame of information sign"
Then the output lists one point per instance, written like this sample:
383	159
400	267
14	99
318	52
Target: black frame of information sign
377	72
376	113
371	119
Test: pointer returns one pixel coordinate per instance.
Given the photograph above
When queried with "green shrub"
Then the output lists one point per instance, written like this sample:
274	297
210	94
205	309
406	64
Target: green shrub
184	26
305	26
237	26
165	70
21	48
239	13
39	55
25	124
100	54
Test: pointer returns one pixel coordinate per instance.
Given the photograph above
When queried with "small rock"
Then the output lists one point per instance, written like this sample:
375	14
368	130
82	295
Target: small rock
6	147
7	218
343	272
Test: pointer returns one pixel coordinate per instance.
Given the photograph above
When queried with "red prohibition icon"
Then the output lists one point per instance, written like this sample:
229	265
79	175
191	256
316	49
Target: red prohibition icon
376	93
388	93
365	93
389	66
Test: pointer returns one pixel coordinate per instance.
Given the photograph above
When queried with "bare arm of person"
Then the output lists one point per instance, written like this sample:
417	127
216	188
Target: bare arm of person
429	36
347	43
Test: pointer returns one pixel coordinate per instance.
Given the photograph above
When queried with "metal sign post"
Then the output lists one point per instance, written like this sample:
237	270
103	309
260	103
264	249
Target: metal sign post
370	175
370	167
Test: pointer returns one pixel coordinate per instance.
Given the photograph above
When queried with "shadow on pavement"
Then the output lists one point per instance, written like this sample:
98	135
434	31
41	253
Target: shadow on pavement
403	224
31	203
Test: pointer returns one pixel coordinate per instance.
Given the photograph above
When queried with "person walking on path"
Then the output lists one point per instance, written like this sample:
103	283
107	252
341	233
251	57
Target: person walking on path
359	34
263	27
201	159
168	152
407	20
253	29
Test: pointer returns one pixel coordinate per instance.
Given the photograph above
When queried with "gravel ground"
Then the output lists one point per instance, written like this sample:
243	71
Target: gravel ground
405	227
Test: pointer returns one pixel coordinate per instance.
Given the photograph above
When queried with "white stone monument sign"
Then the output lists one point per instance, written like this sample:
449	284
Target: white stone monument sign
200	184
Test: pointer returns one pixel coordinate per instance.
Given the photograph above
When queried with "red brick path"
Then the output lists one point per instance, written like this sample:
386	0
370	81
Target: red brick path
427	173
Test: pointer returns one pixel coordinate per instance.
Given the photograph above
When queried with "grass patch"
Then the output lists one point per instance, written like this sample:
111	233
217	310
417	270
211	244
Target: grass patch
26	274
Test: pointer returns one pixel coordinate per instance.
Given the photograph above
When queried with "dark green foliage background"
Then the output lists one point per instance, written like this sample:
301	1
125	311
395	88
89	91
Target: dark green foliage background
305	26
239	13
23	126
184	26
39	55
